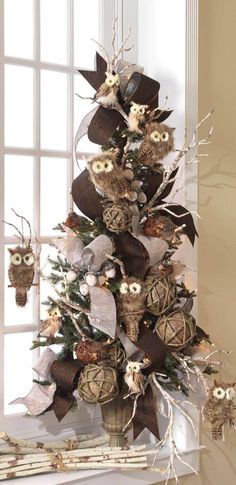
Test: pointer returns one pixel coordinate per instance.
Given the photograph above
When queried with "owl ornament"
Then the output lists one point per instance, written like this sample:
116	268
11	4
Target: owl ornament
21	269
134	378
131	305
108	91
136	117
111	179
157	143
219	408
51	325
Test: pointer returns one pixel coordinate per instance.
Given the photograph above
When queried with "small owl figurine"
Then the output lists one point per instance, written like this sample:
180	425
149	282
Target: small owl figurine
51	325
131	305
107	93
111	179
136	117
21	272
134	378
219	408
157	143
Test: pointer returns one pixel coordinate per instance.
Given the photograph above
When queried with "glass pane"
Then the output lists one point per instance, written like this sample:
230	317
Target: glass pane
86	26
18	106
53	110
82	107
53	194
45	289
53	31
18	20
13	314
18	190
17	369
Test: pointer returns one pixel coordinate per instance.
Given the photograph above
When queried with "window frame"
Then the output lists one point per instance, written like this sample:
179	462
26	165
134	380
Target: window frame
17	421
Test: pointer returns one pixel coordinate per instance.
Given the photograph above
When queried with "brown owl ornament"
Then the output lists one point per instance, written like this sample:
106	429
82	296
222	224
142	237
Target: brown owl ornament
111	179
157	143
22	263
219	408
21	272
131	305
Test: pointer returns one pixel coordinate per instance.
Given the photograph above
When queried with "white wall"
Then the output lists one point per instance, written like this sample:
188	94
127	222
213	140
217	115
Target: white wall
161	50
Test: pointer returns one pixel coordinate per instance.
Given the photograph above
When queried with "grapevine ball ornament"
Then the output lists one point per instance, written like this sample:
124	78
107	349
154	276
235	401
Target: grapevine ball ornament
161	227
161	294
219	407
177	329
117	355
117	218
98	384
91	352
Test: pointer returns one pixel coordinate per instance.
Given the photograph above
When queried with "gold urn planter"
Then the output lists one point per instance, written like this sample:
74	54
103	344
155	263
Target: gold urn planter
115	415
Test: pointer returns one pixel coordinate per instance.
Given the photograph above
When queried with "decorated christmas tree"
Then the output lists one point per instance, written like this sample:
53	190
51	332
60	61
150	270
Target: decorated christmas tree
121	310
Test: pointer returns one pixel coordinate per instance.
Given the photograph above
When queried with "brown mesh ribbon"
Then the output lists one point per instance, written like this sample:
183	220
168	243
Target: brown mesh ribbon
66	375
146	416
85	196
134	255
154	348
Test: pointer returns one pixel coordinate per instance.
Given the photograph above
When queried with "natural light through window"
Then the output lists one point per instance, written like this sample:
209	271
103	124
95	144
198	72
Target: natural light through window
43	48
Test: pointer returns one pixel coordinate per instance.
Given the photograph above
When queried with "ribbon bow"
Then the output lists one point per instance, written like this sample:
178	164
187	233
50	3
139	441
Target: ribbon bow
102	122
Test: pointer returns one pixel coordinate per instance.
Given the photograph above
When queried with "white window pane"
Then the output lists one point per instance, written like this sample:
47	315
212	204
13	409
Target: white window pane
18	20
82	107
54	31
13	314
18	106
53	110
86	26
46	290
17	369
53	194
18	190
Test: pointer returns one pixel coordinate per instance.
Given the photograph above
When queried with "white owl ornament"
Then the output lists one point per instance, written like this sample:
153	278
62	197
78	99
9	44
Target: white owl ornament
136	117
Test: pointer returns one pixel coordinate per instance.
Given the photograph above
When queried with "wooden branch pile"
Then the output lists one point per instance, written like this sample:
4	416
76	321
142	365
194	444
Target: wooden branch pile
22	458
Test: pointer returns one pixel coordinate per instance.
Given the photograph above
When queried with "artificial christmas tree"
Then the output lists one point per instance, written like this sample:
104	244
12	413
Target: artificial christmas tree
121	309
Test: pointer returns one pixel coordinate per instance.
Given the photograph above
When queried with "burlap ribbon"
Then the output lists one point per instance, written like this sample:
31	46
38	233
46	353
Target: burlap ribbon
66	374
91	256
146	415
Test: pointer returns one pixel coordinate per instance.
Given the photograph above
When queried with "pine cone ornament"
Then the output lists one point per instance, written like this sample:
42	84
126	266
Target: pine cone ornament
91	352
161	227
72	220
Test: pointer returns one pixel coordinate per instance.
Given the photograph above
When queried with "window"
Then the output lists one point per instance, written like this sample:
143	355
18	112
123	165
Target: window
42	46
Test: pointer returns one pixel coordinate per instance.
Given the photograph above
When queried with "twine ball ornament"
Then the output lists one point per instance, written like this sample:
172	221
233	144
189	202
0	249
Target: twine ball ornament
176	330
98	384
117	218
91	352
159	226
116	355
161	294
